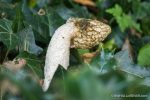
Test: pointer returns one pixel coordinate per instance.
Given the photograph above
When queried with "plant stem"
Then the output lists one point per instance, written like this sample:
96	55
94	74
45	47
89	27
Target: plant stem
1	95
6	55
63	79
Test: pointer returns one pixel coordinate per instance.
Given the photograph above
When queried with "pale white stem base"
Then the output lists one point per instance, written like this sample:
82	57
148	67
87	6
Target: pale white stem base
58	52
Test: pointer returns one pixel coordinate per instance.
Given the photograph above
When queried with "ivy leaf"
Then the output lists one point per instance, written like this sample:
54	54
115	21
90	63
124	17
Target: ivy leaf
7	36
115	11
6	9
110	45
125	64
106	59
144	56
27	41
64	12
39	23
33	63
53	20
18	24
146	81
23	82
41	28
140	9
124	20
145	25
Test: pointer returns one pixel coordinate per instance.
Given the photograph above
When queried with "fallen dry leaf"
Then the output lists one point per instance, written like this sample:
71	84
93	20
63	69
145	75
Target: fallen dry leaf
15	65
127	46
87	57
134	32
7	86
41	81
85	2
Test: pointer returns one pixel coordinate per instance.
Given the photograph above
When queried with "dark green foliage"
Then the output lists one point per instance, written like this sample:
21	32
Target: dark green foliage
7	36
144	55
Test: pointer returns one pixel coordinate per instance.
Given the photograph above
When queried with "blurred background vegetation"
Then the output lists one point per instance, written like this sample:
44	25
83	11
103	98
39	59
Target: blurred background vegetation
117	69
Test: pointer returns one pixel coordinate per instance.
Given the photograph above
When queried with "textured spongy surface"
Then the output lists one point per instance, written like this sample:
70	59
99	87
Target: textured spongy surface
90	32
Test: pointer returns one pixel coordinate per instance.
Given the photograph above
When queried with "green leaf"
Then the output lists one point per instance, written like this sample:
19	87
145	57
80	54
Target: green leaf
53	20
7	36
124	20
140	9
146	81
144	56
104	62
83	83
106	59
145	25
27	41
115	11
110	44
18	24
124	63
80	11
83	51
42	3
6	9
40	27
28	87
64	12
38	23
33	63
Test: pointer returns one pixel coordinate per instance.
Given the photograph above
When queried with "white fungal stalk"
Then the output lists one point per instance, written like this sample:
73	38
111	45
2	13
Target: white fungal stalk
77	33
58	52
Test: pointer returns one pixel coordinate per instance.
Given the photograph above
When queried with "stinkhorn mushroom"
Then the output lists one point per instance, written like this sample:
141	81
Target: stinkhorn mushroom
75	33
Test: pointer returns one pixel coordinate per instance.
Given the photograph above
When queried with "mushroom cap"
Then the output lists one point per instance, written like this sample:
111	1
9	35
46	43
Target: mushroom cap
89	32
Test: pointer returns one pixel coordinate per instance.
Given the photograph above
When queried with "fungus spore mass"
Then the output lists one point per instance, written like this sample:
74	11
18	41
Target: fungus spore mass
89	34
